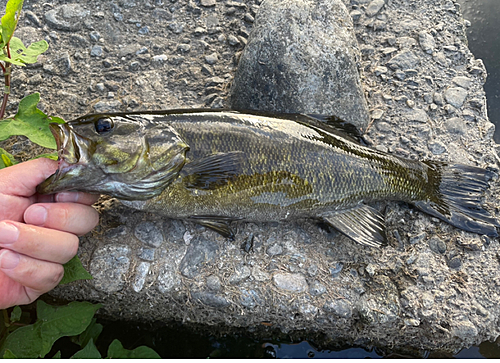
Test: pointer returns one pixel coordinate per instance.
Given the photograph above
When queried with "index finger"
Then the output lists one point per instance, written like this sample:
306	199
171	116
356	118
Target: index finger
69	197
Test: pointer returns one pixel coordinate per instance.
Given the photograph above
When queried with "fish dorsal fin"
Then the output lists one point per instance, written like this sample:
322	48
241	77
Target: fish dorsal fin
363	224
212	171
344	128
218	224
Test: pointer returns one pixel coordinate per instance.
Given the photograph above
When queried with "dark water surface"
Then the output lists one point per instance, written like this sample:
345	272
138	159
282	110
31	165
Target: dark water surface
179	342
484	42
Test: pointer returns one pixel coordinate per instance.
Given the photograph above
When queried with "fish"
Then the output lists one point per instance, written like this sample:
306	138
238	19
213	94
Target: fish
214	167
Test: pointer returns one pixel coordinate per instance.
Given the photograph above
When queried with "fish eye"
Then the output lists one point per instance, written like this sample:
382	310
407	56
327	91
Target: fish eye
103	125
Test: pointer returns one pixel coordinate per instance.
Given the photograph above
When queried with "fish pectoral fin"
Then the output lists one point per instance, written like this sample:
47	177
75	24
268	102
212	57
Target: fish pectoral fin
216	223
212	170
363	224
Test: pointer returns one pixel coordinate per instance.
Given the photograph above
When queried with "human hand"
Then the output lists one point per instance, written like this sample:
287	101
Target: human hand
38	233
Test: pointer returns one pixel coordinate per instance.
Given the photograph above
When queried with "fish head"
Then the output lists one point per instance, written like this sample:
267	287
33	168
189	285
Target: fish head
127	157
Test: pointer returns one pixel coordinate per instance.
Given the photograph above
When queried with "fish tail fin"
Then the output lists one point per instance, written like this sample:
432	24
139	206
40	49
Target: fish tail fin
455	193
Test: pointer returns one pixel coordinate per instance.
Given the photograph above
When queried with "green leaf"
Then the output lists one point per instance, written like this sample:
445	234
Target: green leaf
6	159
16	314
20	55
89	352
30	122
92	332
73	271
52	156
9	355
9	20
116	350
25	342
57	355
61	321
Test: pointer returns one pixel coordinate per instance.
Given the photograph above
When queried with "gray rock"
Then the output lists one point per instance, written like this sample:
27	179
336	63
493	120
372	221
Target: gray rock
207	3
250	298
240	274
427	42
418	238
140	276
455	96
61	66
374	7
109	266
339	308
437	245
455	263
199	252
285	68
66	17
456	125
107	106
232	40
168	278
212	58
463	82
436	147
317	288
464	330
417	115
404	60
295	283
336	269
210	299
147	254
438	99
274	250
96	51
148	233
213	283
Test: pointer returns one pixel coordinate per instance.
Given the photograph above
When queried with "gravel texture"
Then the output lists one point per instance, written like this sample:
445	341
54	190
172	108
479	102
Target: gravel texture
433	287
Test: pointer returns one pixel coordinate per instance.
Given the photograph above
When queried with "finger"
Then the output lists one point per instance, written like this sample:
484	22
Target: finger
69	197
37	242
37	276
68	217
22	179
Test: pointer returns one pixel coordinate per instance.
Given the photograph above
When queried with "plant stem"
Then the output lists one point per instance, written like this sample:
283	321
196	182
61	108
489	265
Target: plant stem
6	74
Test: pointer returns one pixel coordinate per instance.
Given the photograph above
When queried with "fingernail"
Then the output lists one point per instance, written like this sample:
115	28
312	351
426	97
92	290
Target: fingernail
37	215
8	233
67	197
8	259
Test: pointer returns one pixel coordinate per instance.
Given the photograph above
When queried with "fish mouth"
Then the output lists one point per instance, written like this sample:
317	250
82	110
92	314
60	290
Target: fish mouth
71	152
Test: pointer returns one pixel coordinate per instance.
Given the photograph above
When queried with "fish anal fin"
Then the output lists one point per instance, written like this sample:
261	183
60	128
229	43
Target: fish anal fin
212	170
362	224
216	223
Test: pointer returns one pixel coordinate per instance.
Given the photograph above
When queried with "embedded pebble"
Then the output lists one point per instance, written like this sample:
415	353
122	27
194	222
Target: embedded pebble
199	252
274	250
426	41
66	17
240	274
436	147
207	3
374	7
232	40
317	288
147	254
455	263
168	278
464	330
340	308
148	233
336	269
109	266
210	299
455	96
295	283
250	298
404	60
212	58
463	82
96	51
418	238
213	283
437	245
140	276
456	125
107	106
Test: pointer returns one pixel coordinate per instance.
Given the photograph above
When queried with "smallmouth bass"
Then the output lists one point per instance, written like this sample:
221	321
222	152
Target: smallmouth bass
214	167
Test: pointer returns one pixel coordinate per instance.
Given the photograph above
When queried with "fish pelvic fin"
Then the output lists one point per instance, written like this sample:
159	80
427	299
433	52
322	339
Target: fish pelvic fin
456	196
362	224
217	224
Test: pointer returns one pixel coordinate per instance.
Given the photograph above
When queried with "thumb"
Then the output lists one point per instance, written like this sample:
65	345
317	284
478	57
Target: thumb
21	179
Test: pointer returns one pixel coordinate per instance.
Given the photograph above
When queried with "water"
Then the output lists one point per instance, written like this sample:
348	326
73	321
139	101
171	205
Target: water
484	42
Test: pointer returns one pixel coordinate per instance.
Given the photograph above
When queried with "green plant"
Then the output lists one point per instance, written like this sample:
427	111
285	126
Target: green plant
18	339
